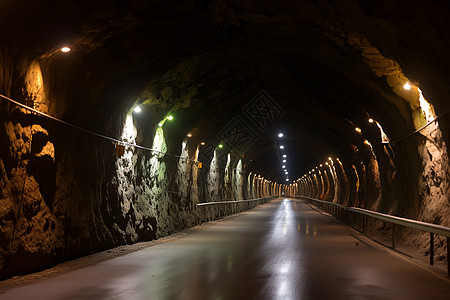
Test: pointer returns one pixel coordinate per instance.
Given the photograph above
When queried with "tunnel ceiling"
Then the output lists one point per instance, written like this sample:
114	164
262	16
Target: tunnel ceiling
208	62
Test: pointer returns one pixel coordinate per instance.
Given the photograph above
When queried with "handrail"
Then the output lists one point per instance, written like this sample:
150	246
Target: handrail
234	201
424	226
429	227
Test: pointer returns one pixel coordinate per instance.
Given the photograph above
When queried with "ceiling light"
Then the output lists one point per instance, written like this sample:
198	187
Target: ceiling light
65	49
281	147
283	166
407	86
137	109
284	160
287	179
280	135
284	155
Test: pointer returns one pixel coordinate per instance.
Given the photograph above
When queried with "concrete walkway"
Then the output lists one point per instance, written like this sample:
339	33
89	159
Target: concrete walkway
280	250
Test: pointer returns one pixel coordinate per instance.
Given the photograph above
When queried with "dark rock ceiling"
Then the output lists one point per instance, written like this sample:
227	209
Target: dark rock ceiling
208	59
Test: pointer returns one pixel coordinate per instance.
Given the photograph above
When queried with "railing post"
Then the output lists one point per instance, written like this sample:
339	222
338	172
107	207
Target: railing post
448	256
364	223
431	248
393	235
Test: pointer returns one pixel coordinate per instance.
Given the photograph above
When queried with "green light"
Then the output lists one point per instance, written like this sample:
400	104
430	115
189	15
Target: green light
160	124
220	146
169	117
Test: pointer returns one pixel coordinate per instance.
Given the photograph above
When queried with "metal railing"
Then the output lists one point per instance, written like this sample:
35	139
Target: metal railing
219	209
433	229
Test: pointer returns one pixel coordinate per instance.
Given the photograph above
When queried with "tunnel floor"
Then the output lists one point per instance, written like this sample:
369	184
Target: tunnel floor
280	250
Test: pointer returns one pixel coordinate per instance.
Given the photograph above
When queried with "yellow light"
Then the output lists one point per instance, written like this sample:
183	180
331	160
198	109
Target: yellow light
357	129
189	135
370	120
65	49
329	158
407	86
202	143
326	163
321	165
220	146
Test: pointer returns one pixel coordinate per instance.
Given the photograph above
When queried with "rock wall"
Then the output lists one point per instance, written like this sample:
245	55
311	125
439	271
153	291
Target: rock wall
65	193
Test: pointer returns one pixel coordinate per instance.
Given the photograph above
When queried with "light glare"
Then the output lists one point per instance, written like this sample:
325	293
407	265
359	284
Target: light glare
137	109
65	49
407	86
281	147
280	135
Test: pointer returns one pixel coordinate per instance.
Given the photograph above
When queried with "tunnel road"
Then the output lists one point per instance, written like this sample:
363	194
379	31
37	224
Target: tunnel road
281	250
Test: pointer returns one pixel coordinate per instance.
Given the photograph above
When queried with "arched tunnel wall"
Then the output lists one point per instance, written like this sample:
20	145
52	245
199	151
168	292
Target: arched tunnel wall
325	67
67	193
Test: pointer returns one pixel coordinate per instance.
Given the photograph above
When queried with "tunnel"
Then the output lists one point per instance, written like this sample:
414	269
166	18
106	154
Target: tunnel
119	119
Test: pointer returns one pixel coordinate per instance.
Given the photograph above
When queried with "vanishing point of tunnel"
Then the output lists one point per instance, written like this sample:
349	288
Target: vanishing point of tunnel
123	122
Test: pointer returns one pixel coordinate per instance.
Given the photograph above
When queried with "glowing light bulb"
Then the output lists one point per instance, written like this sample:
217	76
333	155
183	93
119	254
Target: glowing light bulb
189	135
284	155
280	135
220	146
284	160
358	130
281	147
160	124
137	109
283	166
65	49
202	143
329	158
370	120
407	86
169	117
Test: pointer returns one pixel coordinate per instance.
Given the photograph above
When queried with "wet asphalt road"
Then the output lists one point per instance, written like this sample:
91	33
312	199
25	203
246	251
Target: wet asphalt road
280	250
